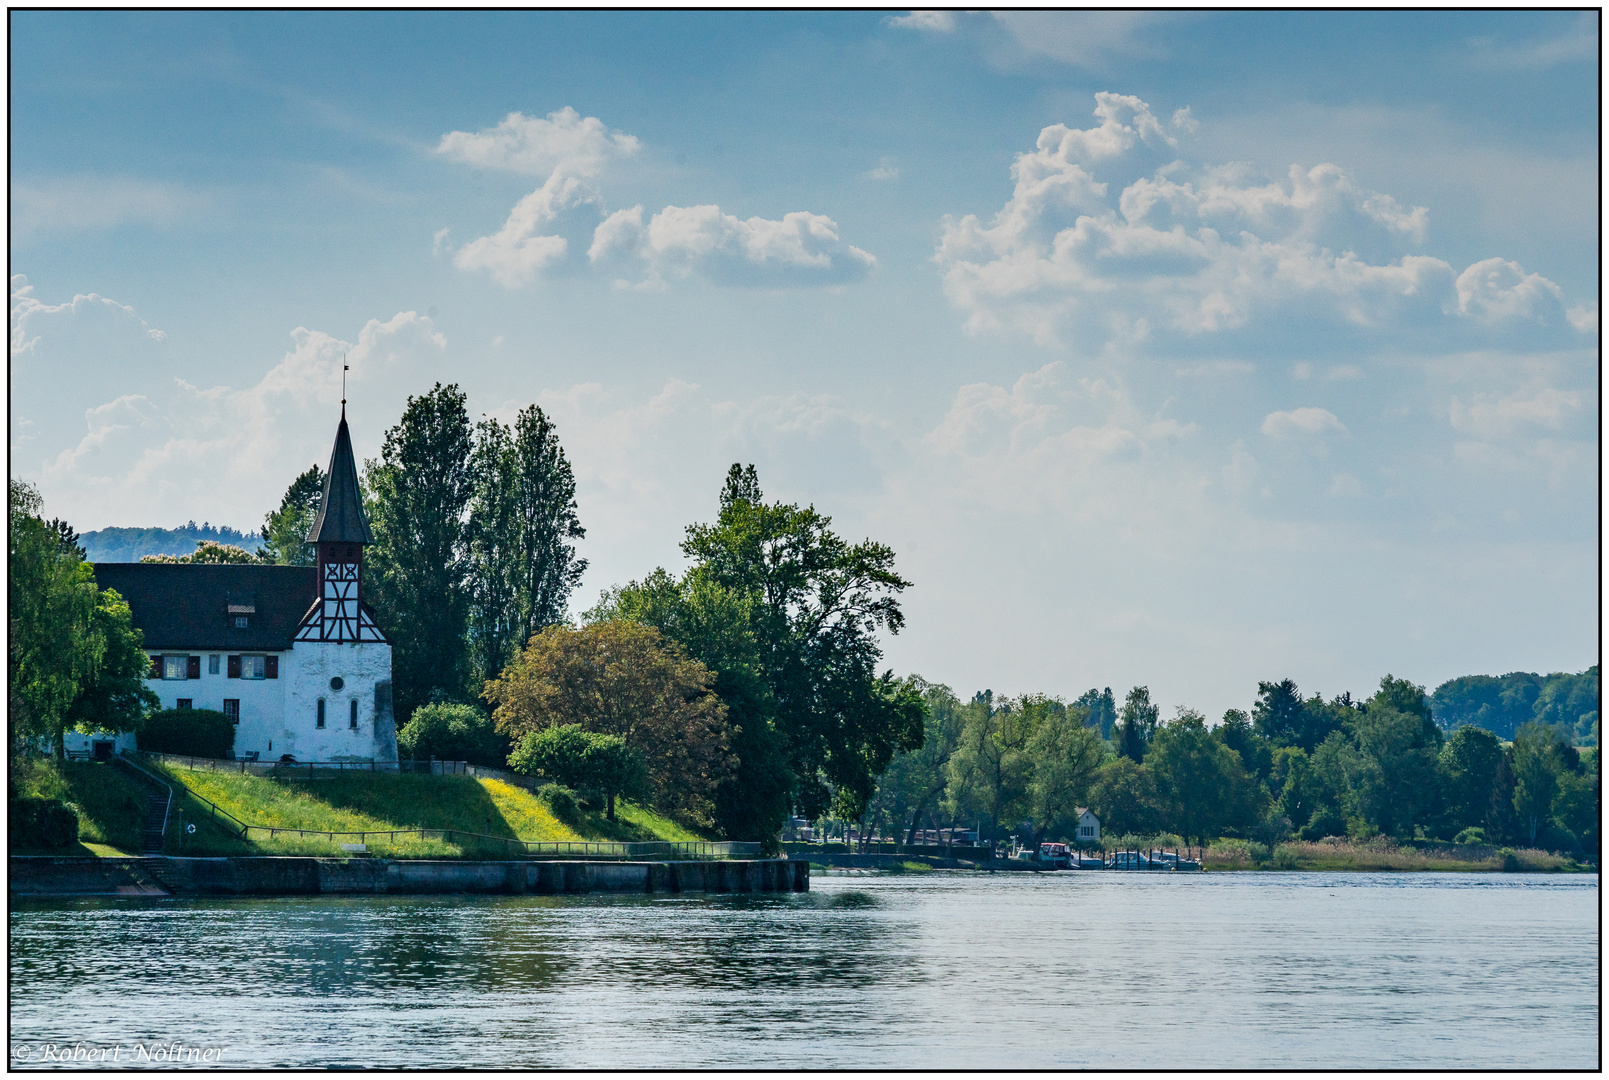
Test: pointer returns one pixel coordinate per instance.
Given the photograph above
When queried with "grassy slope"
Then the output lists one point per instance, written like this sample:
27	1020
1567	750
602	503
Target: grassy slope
359	802
110	807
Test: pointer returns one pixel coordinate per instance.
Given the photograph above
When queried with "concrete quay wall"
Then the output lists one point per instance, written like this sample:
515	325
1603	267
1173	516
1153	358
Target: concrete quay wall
43	876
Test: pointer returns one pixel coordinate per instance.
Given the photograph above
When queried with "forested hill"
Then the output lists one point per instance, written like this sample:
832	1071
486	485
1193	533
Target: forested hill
1501	703
129	545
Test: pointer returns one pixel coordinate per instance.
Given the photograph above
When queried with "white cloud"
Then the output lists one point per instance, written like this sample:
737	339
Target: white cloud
1577	45
801	248
1306	422
1087	39
92	203
933	22
885	169
1192	250
30	316
1494	290
1345	486
1492	415
226	454
1584	317
564	142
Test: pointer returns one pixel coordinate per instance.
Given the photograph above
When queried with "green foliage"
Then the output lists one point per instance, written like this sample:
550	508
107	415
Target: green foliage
418	494
913	784
1066	754
285	530
1539	760
561	801
1469	765
588	761
1256	752
1126	798
448	732
1501	704
623	678
41	824
1201	787
74	659
1101	709
715	625
1470	835
816	603
522	521
1138	725
201	733
110	807
119	544
990	769
1383	766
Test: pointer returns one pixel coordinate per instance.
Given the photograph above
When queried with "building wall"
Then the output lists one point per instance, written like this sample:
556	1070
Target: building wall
262	701
280	716
365	673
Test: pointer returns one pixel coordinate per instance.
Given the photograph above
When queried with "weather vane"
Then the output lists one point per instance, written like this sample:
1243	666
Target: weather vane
345	367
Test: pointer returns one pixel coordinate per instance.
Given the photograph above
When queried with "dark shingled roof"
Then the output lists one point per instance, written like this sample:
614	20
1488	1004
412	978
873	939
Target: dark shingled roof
340	511
186	605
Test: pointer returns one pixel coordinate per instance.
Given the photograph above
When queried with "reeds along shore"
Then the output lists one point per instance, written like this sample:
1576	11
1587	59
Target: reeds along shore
1335	853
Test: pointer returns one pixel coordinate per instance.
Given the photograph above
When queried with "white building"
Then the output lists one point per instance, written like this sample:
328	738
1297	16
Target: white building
1089	828
291	653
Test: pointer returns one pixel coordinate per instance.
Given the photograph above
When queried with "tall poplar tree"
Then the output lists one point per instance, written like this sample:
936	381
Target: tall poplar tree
416	572
522	521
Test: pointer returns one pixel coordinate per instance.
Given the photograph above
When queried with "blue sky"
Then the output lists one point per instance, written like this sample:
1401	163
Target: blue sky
1180	349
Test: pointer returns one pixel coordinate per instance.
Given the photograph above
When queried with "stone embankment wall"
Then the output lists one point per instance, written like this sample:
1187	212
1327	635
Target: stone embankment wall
295	876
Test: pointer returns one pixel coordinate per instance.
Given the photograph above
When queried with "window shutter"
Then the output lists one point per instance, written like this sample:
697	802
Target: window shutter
270	667
234	667
156	667
192	667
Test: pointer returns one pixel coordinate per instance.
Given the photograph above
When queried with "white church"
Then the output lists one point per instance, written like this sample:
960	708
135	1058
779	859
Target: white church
291	654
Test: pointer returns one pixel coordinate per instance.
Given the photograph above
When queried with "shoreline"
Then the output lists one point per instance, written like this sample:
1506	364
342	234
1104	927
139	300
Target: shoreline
54	877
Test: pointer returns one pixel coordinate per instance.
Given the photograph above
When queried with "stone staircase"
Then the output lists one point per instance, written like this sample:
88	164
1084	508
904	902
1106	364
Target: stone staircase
156	810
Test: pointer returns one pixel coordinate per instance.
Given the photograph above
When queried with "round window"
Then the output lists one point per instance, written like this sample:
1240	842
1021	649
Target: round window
336	683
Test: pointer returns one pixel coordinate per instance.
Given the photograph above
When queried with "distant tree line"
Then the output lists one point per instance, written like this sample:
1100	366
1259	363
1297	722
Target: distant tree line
1502	704
1289	767
119	544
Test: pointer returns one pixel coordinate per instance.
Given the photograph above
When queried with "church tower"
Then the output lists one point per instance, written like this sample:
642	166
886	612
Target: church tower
340	532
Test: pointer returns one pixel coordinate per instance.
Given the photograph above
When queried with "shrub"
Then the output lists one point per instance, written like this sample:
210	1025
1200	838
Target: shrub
1324	822
1471	836
452	733
594	764
561	801
41	824
201	733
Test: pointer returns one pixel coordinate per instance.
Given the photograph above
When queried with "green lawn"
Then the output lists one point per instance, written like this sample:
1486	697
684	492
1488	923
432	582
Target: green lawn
372	803
109	805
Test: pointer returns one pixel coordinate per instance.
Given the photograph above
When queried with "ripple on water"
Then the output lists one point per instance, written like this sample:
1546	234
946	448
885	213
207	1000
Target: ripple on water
942	970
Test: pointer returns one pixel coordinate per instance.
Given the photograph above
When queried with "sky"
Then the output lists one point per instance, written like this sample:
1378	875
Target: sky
1178	349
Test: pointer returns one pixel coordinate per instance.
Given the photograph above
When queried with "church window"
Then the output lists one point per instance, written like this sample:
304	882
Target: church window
231	709
212	664
320	712
353	720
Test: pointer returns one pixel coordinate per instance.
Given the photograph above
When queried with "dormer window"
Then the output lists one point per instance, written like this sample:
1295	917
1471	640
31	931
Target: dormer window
240	614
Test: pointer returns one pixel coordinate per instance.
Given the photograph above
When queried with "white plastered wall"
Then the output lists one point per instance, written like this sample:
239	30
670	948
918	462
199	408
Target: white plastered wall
306	671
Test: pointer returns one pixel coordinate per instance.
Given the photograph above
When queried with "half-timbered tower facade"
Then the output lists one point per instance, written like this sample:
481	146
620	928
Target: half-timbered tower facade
291	654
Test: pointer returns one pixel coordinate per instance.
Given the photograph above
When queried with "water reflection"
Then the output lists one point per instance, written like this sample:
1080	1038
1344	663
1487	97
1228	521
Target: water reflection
949	970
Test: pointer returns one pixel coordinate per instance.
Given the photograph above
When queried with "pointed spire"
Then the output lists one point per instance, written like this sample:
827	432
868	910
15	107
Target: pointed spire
340	511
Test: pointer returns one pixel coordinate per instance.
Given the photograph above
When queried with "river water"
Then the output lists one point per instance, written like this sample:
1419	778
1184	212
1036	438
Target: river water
941	970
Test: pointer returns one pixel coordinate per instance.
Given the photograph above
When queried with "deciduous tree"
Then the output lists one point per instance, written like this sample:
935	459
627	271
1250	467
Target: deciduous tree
623	678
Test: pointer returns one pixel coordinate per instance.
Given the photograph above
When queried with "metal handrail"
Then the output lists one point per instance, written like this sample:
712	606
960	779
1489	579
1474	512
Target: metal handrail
137	767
